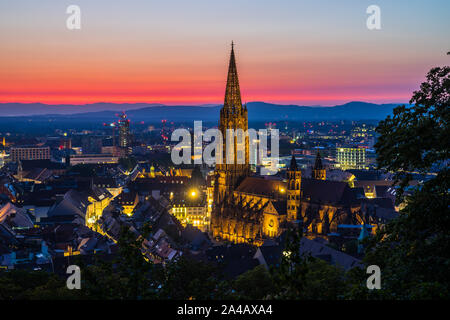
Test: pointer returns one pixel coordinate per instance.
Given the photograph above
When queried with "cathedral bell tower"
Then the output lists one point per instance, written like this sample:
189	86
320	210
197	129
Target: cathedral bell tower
234	116
319	172
294	177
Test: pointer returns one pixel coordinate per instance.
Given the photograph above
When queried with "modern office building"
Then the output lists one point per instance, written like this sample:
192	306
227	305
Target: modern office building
29	153
124	131
351	158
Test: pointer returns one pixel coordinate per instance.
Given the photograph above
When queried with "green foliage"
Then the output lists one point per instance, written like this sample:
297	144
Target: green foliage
33	285
254	284
305	278
290	276
323	281
190	279
417	138
128	277
128	163
413	251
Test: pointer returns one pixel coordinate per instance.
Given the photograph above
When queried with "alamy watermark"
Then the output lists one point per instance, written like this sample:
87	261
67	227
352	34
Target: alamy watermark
374	20
374	280
74	280
233	152
73	22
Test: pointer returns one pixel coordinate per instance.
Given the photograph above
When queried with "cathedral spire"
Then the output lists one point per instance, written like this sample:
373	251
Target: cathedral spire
293	166
318	164
232	91
319	172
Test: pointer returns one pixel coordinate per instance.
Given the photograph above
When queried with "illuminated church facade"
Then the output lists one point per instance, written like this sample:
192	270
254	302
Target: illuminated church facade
250	209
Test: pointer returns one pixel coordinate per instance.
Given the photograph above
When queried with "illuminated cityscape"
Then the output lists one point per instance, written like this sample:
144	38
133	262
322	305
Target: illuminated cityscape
143	164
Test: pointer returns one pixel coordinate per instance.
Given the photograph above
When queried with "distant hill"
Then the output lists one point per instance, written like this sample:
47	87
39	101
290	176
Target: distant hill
258	111
28	109
349	111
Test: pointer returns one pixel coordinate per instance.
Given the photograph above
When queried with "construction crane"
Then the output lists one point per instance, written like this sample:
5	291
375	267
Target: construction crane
163	131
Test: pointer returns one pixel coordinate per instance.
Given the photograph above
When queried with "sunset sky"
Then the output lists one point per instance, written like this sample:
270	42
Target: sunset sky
176	52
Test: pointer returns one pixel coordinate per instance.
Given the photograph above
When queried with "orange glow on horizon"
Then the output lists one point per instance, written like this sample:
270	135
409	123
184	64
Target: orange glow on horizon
78	99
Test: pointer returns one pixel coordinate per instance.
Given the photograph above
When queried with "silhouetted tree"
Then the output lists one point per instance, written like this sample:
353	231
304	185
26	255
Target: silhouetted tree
128	163
187	278
413	251
302	277
254	284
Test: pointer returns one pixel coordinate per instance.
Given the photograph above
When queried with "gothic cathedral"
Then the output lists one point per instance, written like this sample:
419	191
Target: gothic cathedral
251	208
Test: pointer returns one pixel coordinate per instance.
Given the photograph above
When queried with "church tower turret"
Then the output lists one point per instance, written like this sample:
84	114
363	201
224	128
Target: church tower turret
294	177
319	172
